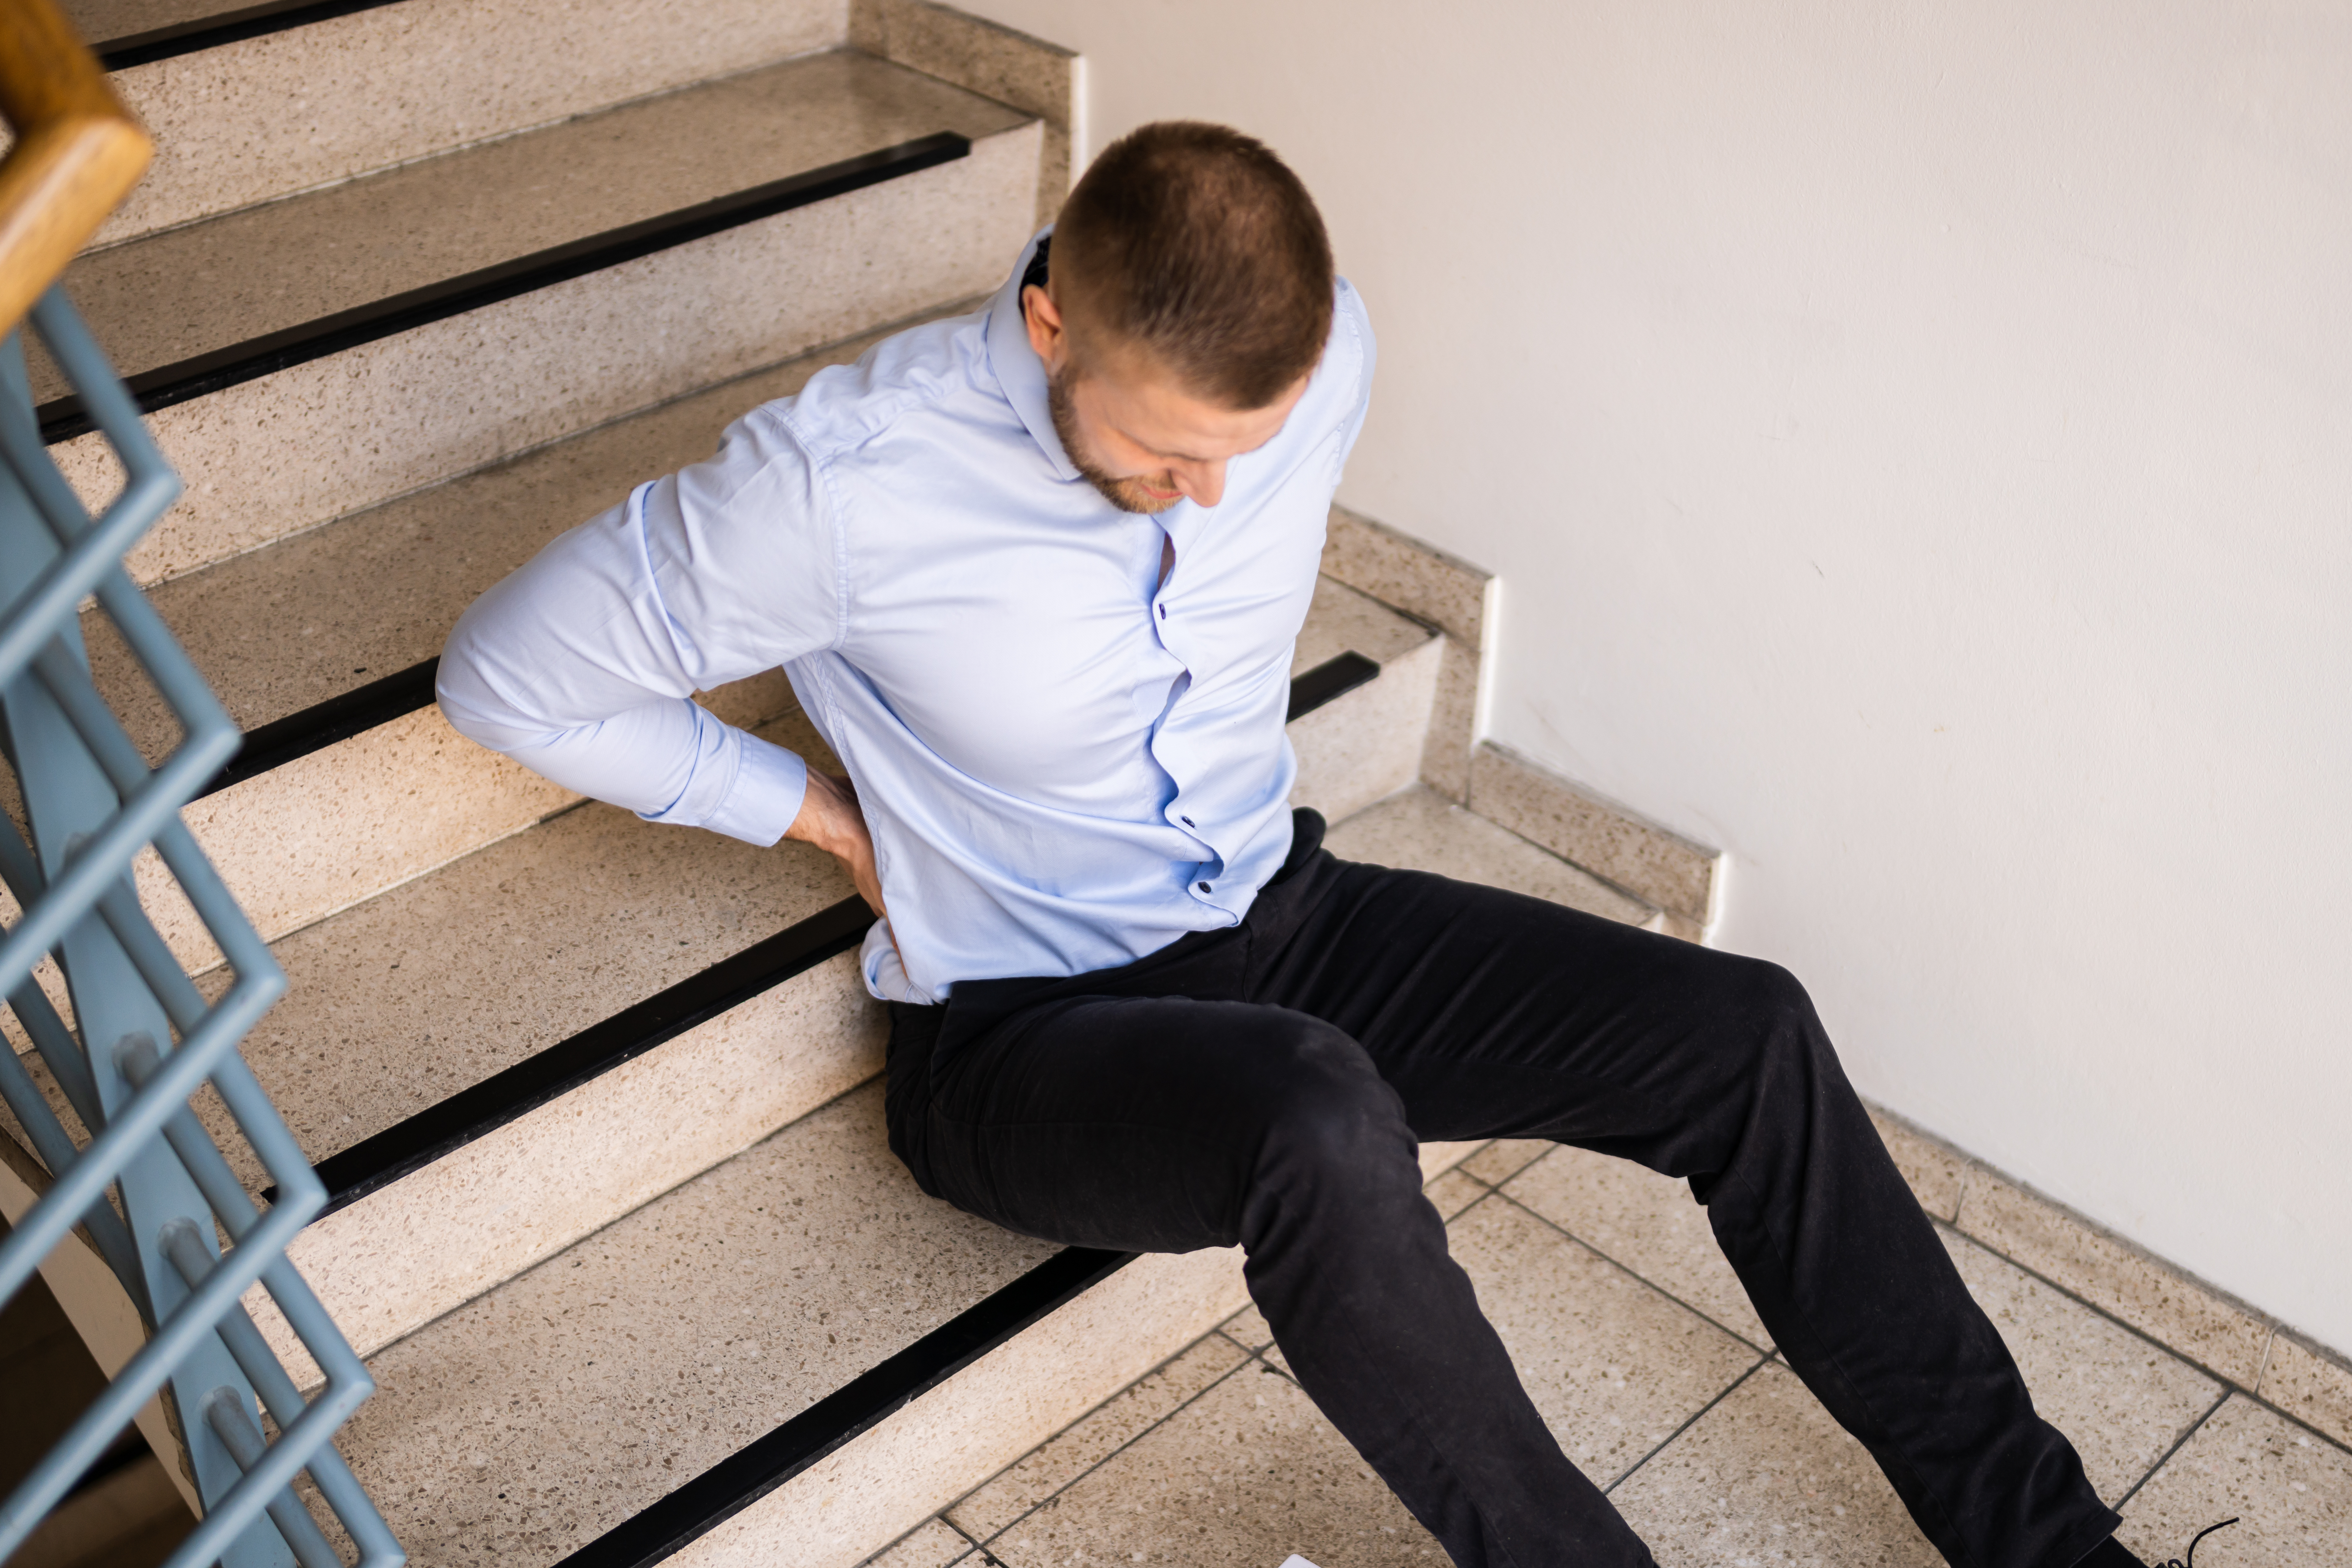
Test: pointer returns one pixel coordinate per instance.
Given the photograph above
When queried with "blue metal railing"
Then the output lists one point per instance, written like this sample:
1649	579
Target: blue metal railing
151	1188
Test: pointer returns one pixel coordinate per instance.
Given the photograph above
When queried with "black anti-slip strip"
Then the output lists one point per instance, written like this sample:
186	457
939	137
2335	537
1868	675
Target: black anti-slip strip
62	418
486	1106
221	27
1328	681
316	727
749	1474
501	1097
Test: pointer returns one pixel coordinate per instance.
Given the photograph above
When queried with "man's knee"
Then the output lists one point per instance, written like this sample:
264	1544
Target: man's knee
1324	1110
1766	1019
1777	1028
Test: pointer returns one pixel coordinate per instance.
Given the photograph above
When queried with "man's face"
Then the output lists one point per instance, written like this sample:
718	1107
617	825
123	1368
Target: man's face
1136	434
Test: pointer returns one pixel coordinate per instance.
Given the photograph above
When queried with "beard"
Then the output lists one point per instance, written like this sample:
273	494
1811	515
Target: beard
1128	495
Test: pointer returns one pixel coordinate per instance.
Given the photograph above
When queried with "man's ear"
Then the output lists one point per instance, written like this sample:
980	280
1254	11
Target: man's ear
1047	335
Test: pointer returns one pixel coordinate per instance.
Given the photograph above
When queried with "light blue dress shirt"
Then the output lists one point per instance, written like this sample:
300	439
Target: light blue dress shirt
1065	762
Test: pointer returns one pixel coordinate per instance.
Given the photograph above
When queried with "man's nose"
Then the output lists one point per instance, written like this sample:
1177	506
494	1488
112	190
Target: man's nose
1203	484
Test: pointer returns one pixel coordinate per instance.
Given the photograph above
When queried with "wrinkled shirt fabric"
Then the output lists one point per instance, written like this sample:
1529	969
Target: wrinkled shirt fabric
1065	761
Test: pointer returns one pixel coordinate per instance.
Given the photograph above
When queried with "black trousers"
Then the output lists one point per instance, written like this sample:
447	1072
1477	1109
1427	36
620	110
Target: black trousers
1268	1085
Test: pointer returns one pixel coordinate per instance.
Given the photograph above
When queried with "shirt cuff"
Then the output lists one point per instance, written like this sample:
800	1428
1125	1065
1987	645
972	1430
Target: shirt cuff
769	785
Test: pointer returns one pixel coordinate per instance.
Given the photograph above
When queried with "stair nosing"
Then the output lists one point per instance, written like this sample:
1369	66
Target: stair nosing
481	1108
322	724
204	33
707	1500
63	418
1328	682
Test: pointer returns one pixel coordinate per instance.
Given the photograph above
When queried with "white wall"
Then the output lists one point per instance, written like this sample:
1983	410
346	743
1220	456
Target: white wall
1916	440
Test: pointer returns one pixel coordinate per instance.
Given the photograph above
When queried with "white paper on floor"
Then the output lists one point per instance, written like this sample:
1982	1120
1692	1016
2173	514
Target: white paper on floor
1296	1561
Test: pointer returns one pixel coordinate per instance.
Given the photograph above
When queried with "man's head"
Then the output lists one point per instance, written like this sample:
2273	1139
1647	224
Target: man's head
1188	301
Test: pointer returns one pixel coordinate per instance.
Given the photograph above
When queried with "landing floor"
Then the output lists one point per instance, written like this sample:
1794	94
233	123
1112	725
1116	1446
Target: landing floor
1640	1350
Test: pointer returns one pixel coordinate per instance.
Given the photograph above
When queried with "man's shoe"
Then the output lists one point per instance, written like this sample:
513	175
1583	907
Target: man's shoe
2111	1552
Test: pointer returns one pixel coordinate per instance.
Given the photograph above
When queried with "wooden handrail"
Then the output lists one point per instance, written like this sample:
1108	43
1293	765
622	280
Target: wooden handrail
78	151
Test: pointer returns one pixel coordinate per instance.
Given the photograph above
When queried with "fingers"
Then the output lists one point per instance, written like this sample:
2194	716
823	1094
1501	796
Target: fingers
830	819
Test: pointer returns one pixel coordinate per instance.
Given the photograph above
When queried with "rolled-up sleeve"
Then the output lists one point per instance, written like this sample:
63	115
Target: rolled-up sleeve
582	664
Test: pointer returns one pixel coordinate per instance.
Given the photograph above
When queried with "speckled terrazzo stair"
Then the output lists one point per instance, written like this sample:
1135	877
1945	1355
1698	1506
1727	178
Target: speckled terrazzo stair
248	102
307	357
416	285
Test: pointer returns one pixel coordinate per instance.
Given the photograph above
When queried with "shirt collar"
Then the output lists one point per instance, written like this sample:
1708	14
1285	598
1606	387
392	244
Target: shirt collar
1019	371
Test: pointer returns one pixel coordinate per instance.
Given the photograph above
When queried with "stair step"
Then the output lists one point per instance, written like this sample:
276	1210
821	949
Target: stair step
265	340
974	1368
333	90
1420	830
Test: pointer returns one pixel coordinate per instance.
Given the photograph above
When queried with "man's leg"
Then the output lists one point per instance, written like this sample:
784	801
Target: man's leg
1495	1014
1164	1123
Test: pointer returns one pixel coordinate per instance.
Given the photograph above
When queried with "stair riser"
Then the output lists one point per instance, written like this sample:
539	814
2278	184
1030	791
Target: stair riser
247	121
329	830
869	1492
413	1251
271	457
1367	745
324	832
407	1253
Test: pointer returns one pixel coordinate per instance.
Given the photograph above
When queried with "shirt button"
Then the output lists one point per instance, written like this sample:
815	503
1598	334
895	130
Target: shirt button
1204	887
1188	822
1163	612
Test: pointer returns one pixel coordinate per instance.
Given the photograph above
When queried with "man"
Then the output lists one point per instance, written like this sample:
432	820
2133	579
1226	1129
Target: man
1035	574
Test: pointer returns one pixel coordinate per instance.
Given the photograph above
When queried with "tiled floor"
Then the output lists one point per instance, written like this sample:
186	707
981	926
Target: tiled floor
1642	1354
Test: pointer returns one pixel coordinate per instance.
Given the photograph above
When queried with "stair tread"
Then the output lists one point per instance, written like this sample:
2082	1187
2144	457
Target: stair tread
1420	830
531	1421
209	286
428	988
101	22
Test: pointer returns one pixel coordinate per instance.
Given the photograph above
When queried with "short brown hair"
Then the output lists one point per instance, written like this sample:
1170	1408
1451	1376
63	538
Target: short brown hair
1197	243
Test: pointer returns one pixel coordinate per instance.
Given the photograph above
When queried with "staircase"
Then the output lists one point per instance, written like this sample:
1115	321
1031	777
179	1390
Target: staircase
413	286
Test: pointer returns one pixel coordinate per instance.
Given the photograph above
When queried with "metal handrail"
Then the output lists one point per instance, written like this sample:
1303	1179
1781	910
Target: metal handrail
144	1039
78	152
148	1187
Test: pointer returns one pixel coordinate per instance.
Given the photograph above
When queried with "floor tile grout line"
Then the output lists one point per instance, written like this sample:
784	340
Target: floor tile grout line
1696	1416
2228	1383
2177	1444
2072	1295
1627	1269
2253	1394
971	1545
1248	1356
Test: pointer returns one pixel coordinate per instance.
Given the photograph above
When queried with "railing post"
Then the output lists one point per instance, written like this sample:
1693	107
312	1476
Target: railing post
67	799
142	1037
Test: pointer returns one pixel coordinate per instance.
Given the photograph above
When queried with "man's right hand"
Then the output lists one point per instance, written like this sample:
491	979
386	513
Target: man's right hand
830	819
